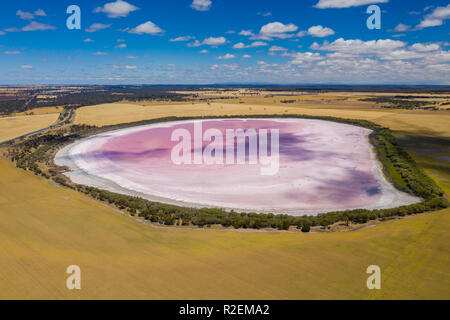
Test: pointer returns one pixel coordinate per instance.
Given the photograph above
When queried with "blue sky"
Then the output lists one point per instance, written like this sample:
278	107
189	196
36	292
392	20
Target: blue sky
217	41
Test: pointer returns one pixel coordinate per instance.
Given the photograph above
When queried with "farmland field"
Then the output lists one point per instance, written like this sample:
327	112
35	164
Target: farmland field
12	127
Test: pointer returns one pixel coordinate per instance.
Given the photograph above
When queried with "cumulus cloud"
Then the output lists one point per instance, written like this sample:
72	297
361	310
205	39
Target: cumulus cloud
182	39
147	28
317	31
358	61
211	41
232	67
402	28
126	67
359	46
30	16
117	9
246	33
276	30
277	48
40	13
97	26
246	56
255	44
436	18
25	15
326	4
201	5
228	56
37	26
121	46
88	40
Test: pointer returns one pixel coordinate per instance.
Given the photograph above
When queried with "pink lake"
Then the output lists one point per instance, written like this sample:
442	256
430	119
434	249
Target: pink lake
323	166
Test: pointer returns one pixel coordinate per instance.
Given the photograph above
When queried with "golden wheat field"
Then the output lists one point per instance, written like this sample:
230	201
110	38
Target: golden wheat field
12	127
45	228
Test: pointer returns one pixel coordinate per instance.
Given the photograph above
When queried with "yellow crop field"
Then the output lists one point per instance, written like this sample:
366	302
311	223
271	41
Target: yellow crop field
12	127
45	228
431	122
39	111
115	113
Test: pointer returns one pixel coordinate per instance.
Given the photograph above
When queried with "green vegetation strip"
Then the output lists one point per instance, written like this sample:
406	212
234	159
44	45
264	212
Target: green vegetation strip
36	154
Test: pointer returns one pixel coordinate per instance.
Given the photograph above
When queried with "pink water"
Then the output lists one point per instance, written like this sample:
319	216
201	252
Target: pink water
322	166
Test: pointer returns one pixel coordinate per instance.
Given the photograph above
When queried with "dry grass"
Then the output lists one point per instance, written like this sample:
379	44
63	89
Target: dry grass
11	127
401	120
115	113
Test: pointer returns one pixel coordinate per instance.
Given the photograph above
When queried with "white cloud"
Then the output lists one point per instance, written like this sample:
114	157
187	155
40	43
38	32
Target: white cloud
182	38
117	9
204	51
99	53
276	30
239	45
359	46
126	67
246	33
425	47
277	48
201	5
25	15
12	52
402	28
228	56
132	57
326	4
255	44
121	46
246	56
317	31
211	41
2	33
40	13
30	16
306	57
88	40
36	26
231	67
147	28
436	18
97	26
26	66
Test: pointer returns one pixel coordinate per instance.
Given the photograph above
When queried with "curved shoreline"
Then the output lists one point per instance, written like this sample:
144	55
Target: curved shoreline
390	197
